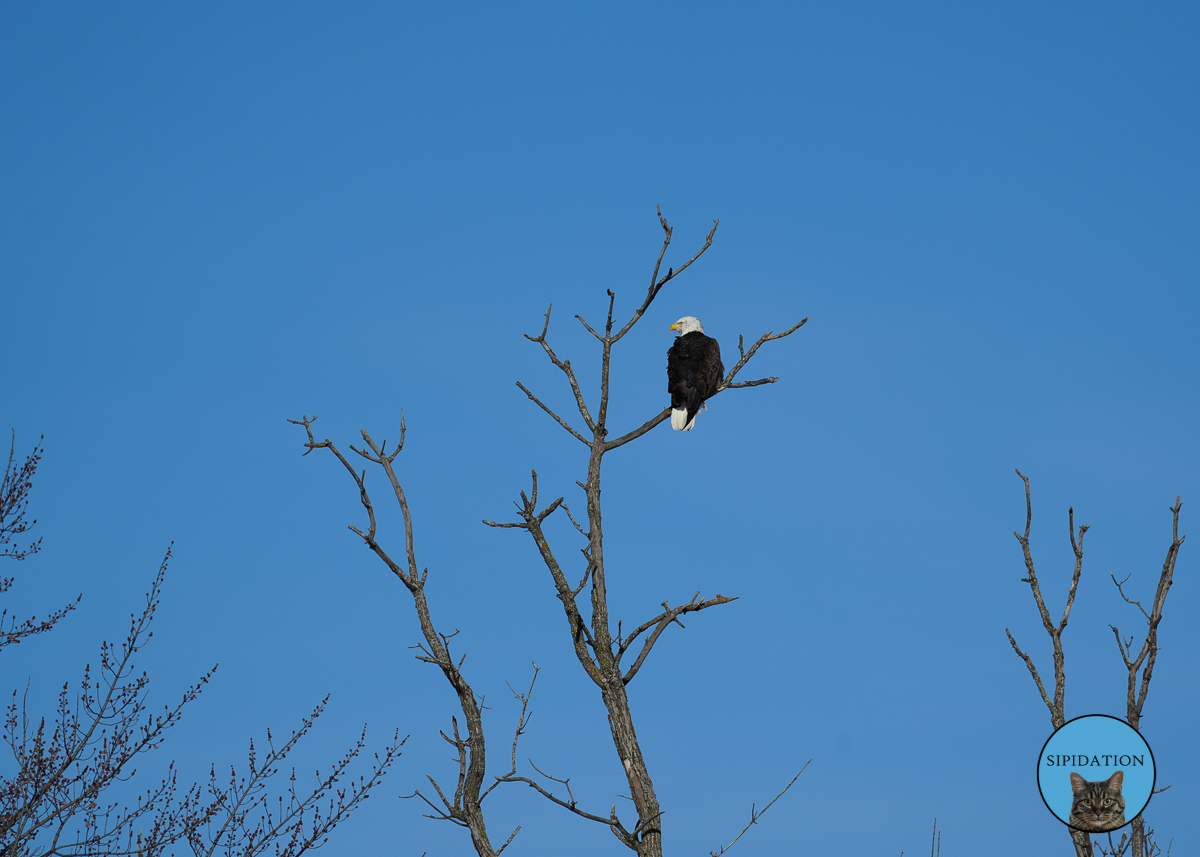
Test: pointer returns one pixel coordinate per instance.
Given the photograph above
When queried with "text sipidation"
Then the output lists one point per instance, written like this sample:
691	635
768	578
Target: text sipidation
1083	761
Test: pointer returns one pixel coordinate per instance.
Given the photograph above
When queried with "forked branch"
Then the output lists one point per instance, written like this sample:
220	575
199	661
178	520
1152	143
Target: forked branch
655	283
745	356
660	624
565	367
612	822
531	520
522	722
1055	630
1148	653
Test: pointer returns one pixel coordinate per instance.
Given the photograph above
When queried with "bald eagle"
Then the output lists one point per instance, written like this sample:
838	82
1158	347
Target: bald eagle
694	371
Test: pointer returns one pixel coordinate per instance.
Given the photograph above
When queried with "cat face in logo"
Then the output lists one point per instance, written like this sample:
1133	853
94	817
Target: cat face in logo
1097	805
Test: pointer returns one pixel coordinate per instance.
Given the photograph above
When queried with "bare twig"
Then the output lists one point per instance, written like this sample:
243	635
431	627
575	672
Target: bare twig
755	816
13	630
522	722
657	284
565	367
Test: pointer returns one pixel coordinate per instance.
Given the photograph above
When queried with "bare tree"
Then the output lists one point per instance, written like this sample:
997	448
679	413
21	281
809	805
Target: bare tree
598	650
1139	842
66	792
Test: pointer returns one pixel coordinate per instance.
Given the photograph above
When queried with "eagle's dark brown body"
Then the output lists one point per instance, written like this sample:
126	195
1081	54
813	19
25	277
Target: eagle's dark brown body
694	372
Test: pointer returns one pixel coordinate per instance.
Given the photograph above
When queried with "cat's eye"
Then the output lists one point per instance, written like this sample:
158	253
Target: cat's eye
1108	803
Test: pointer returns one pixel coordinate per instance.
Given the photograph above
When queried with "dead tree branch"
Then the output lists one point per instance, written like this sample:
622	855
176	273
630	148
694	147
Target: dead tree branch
657	284
565	367
660	624
555	416
1148	653
465	809
727	384
612	822
745	356
1055	630
1056	706
1141	840
755	816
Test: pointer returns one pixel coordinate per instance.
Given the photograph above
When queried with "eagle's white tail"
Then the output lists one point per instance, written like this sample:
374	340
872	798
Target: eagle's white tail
679	420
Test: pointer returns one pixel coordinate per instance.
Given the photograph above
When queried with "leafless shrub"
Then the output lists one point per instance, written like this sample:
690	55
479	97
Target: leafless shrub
56	802
65	792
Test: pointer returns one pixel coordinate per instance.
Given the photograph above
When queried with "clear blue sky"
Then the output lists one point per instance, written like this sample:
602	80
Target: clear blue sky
213	218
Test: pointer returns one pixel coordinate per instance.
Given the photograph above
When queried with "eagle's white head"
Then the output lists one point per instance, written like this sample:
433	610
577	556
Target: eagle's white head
688	324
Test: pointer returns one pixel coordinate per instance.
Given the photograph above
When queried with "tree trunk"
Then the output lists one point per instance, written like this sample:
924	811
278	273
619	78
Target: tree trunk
641	789
1082	842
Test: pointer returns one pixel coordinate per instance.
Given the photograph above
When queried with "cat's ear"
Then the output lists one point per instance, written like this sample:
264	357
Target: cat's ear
1077	783
1114	782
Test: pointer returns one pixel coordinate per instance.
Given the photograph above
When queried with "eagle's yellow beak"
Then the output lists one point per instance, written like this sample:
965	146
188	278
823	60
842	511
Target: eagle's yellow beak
673	327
